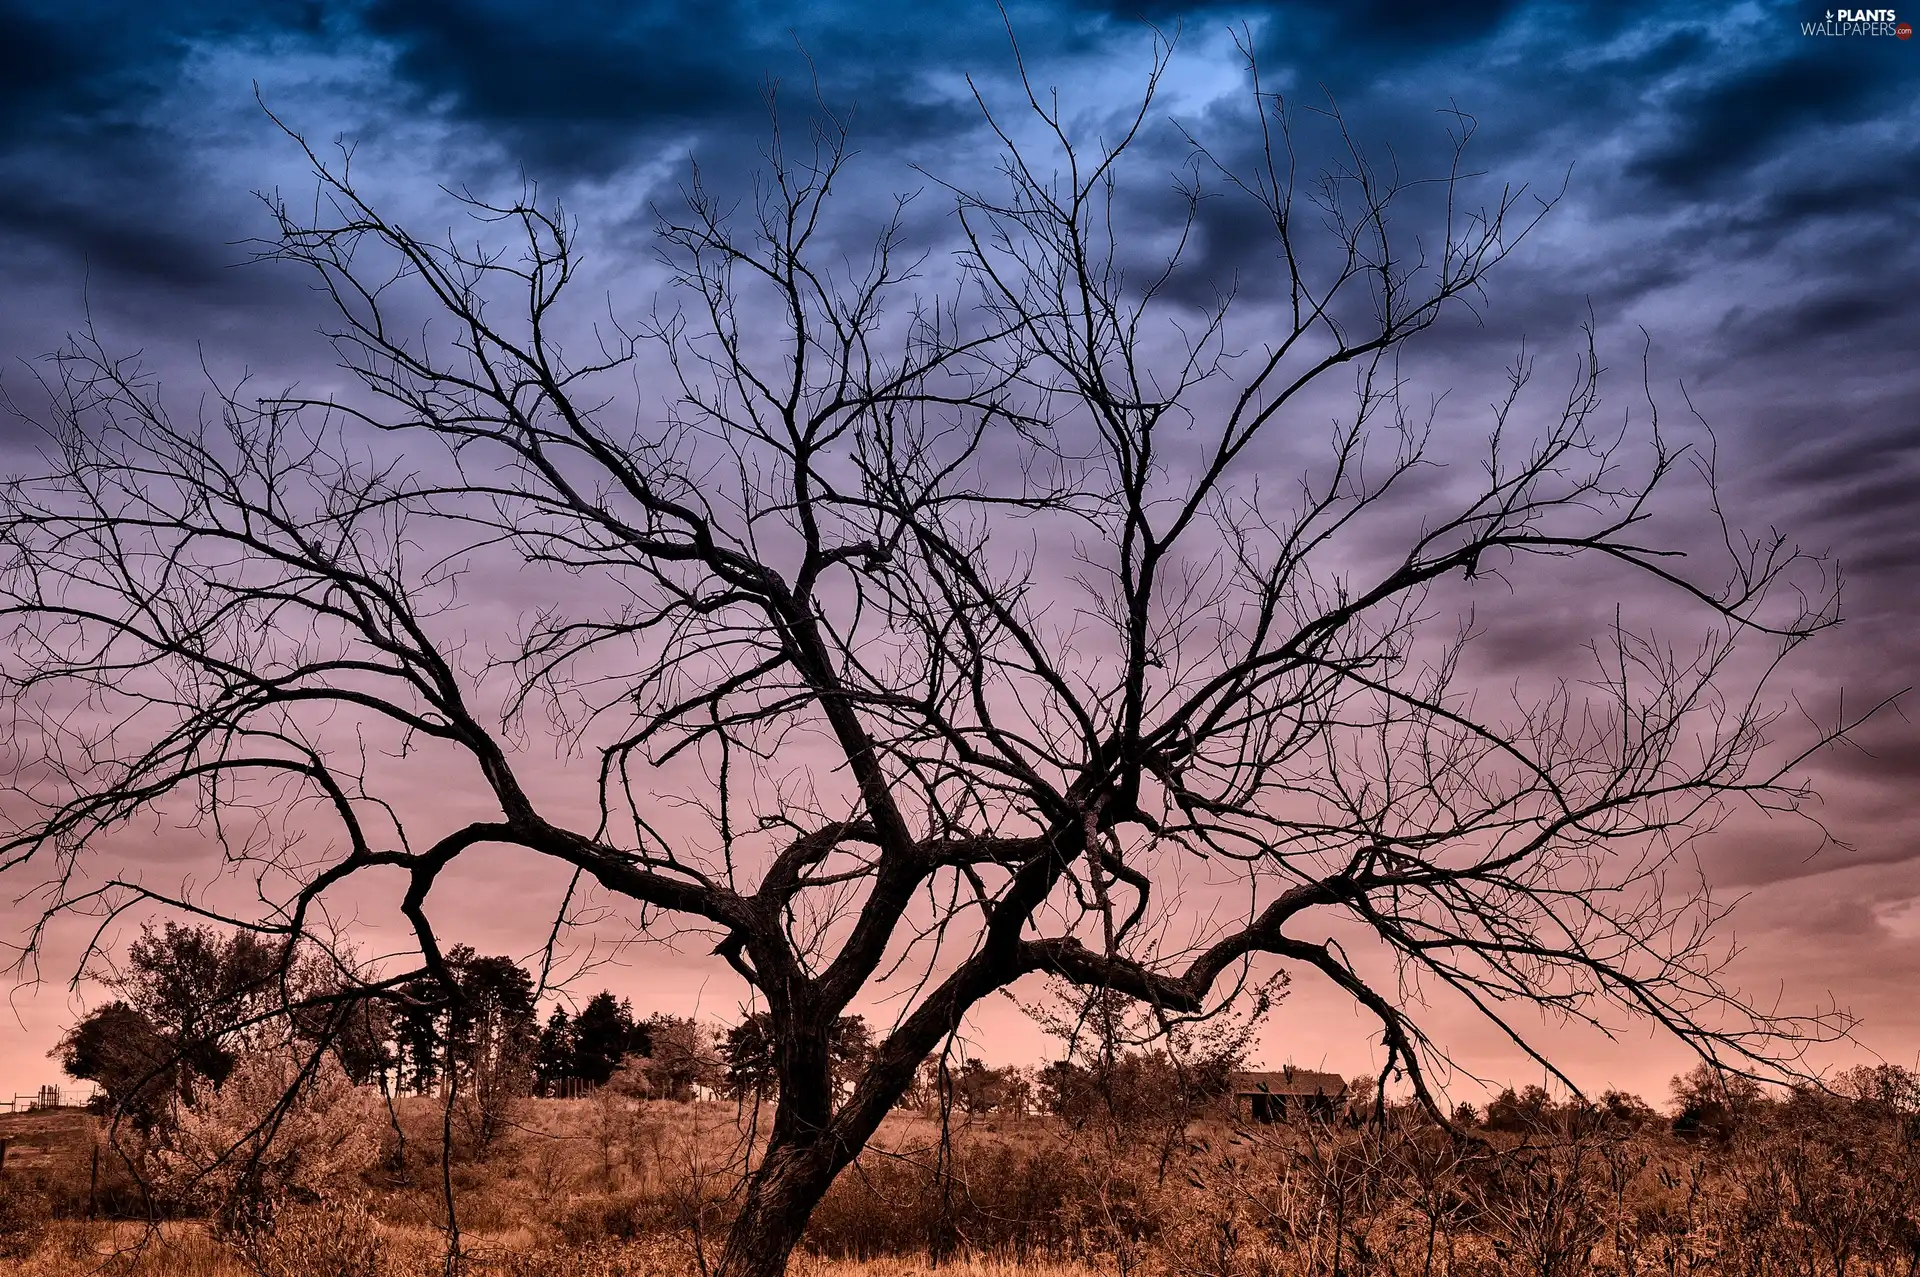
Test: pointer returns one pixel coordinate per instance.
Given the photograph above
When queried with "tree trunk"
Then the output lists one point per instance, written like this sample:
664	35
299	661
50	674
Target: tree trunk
800	1160
785	1188
812	1140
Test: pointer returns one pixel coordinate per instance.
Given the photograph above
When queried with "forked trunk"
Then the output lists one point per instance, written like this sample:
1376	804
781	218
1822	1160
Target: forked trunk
812	1140
781	1196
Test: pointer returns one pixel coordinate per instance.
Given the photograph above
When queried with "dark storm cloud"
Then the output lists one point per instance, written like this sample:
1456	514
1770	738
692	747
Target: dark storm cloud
118	242
1866	453
581	87
93	173
100	61
1735	122
1378	26
1411	22
42	65
101	169
1837	313
580	81
1885	183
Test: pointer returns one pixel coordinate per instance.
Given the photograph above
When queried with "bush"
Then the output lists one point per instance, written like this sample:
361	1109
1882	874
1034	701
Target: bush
338	1239
270	1136
997	1198
24	1215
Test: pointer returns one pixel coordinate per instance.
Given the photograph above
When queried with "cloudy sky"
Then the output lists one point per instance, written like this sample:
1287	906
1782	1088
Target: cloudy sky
1745	194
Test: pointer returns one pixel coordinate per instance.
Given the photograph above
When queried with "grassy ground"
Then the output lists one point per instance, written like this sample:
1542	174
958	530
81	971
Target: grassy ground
45	1139
1811	1186
186	1250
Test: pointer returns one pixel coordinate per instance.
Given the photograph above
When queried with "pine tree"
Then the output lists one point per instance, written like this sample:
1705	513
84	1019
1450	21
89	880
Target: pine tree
603	1035
553	1054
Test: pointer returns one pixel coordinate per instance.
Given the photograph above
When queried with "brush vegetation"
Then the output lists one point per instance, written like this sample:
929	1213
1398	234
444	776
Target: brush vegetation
1730	1180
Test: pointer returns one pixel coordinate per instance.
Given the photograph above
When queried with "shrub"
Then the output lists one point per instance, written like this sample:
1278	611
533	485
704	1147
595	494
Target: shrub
270	1135
24	1215
338	1239
994	1198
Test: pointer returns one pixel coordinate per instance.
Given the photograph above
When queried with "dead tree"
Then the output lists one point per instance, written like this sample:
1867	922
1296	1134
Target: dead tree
926	617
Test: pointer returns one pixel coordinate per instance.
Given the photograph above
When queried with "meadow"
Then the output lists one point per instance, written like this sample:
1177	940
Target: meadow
1810	1183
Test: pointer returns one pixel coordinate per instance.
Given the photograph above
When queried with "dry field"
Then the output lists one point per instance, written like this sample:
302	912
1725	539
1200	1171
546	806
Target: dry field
613	1187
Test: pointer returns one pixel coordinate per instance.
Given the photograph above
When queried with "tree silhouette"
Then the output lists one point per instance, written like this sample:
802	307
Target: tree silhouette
491	1022
472	1014
202	990
682	1056
553	1053
604	1035
940	615
119	1050
192	1000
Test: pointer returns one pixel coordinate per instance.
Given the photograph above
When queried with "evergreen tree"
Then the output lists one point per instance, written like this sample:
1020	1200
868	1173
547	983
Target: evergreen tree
747	1052
604	1034
553	1053
484	1023
416	1038
491	1023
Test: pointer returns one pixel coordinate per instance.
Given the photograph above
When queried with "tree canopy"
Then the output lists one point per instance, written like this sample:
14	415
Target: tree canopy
945	616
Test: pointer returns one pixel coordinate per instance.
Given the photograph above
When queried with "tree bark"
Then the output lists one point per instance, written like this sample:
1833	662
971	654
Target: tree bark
812	1139
781	1195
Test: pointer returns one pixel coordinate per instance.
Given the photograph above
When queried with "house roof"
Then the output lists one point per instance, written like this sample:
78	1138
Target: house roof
1289	1082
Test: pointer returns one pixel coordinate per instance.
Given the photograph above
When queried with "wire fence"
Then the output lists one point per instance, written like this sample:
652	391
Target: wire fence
47	1097
572	1088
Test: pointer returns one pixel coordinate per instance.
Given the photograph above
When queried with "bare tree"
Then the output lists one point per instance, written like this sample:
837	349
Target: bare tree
924	617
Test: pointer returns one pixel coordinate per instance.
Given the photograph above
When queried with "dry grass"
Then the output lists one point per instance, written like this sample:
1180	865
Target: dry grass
1814	1187
187	1250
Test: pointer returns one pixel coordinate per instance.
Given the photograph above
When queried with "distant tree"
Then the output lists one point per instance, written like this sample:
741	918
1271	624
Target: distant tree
1066	1090
979	1089
192	1000
1531	1109
1623	1110
491	1023
417	1040
1889	1087
553	1053
604	1035
681	1056
359	1032
1129	1065
746	1052
204	991
120	1051
475	1016
1711	1103
849	1049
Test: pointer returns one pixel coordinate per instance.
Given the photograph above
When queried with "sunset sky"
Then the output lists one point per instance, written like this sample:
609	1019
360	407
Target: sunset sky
1745	195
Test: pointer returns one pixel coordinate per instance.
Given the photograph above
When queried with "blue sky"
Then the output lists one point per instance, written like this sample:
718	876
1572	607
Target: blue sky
1740	201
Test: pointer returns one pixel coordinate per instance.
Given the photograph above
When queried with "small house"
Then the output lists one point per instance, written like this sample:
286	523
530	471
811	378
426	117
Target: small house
1274	1097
